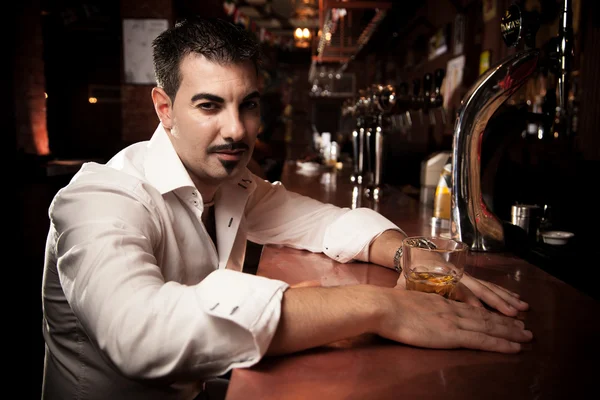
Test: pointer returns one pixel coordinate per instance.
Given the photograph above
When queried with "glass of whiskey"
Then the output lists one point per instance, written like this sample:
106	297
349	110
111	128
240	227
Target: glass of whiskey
433	264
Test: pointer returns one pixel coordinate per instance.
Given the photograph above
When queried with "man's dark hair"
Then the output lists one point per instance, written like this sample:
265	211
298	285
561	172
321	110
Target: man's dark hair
218	40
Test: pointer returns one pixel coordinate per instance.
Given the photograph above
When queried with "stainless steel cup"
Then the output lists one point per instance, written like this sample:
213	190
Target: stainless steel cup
526	216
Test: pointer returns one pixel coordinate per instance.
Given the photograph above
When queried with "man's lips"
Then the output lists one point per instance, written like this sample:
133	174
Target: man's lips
230	155
230	151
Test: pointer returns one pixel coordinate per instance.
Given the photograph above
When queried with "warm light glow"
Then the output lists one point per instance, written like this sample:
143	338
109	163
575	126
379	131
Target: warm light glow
328	36
93	100
302	37
45	95
302	44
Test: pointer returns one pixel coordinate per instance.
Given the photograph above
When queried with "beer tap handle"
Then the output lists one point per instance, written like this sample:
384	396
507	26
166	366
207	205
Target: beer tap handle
439	75
408	119
415	100
431	112
403	97
403	89
400	123
427	83
444	116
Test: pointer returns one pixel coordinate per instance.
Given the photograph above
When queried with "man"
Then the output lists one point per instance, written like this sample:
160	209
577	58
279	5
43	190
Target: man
143	292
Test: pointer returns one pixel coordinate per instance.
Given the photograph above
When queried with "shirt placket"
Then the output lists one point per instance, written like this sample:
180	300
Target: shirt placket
198	208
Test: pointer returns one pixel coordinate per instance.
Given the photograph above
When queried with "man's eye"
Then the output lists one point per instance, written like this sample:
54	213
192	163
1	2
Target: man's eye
250	105
207	106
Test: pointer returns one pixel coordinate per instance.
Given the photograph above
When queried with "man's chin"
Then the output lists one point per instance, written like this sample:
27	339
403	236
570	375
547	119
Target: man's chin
224	170
231	166
231	169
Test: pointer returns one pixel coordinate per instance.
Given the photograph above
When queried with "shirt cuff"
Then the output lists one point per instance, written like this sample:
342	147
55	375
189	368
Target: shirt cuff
251	302
348	238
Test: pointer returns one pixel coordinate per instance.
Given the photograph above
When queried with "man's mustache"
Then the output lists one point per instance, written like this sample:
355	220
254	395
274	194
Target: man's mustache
228	147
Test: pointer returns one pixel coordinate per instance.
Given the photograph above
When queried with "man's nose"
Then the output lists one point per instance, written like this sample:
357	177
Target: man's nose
234	127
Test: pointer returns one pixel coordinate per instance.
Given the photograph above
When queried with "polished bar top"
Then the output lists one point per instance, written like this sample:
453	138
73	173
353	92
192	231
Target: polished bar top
560	362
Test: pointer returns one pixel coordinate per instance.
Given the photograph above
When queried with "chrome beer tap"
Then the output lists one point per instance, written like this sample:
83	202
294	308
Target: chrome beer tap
384	99
400	118
404	98
369	135
359	111
471	220
437	100
427	93
564	53
416	99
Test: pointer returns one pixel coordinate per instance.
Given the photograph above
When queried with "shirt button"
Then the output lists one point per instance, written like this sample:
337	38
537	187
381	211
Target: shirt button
194	194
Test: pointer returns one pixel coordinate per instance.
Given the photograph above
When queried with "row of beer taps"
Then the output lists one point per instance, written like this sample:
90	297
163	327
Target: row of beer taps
421	100
381	109
369	110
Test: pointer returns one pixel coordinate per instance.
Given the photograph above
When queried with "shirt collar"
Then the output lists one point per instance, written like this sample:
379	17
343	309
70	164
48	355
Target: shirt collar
164	169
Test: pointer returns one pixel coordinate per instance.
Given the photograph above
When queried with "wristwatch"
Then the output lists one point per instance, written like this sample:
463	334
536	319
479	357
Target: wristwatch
397	259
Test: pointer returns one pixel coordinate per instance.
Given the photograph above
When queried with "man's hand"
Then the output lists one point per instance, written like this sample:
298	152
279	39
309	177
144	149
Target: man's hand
469	290
430	320
475	291
503	300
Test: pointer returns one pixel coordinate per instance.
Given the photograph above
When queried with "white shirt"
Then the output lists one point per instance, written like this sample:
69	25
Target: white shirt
138	302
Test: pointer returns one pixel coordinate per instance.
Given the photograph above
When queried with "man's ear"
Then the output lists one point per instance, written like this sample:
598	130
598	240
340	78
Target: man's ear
163	107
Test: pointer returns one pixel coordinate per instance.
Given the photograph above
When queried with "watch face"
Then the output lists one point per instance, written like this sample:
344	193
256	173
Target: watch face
511	25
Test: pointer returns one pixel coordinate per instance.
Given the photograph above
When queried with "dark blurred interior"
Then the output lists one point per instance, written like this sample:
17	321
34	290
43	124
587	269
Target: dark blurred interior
73	101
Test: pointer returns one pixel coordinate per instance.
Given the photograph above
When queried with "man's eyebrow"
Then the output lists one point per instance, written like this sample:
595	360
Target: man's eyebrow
252	95
218	99
207	96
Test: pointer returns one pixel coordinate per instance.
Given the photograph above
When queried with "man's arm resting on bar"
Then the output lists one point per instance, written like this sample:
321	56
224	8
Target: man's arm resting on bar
315	316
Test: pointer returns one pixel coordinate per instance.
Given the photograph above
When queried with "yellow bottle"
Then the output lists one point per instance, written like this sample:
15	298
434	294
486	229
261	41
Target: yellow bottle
441	199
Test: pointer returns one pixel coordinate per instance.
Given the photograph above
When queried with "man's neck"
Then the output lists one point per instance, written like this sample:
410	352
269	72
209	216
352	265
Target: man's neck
206	192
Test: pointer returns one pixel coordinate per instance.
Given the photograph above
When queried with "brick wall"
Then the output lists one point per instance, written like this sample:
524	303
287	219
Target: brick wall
28	83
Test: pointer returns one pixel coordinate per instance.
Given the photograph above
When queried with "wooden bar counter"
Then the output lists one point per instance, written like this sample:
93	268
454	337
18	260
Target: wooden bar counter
560	363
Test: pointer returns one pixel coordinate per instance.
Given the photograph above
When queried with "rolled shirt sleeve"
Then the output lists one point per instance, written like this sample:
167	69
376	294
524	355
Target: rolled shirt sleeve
278	216
349	236
252	303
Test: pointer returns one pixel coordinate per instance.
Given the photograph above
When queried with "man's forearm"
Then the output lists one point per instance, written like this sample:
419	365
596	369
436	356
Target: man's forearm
384	248
316	316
